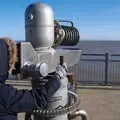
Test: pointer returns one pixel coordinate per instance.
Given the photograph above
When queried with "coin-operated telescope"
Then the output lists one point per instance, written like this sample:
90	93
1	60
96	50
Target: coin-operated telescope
39	56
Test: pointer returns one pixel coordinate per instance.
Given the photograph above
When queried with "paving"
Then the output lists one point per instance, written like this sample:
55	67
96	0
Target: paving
100	102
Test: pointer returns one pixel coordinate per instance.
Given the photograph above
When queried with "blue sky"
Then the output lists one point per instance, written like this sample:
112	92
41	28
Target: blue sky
96	20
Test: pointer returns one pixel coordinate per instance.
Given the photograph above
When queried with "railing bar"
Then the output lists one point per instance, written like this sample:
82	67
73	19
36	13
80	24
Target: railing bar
93	54
99	60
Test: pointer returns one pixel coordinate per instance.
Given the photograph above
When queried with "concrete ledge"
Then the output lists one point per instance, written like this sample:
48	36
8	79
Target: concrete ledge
99	87
79	86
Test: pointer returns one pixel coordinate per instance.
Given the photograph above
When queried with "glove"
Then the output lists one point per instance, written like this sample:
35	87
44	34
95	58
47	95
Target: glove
61	70
45	89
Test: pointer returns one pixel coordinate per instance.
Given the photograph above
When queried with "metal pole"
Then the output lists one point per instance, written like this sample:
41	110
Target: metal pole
80	113
106	67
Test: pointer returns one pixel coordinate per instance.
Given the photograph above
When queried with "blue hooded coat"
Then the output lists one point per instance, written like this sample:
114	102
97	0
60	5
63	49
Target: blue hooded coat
13	101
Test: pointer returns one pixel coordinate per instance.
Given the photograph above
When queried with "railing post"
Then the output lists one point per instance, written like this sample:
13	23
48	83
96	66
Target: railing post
107	55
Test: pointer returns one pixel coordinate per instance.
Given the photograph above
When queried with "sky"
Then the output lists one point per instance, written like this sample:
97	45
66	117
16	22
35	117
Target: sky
95	19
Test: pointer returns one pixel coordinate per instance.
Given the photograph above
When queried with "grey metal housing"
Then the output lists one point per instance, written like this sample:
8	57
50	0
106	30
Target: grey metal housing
39	25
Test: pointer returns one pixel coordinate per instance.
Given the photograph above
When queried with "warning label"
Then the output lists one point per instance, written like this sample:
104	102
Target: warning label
54	99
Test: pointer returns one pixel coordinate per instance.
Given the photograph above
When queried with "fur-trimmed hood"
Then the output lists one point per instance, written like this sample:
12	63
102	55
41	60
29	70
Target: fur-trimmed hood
8	57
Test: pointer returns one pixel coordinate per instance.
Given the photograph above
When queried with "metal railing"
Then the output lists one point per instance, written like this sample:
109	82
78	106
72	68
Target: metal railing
98	68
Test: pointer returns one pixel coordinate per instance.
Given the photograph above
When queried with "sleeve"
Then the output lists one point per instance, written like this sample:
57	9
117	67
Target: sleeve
13	100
